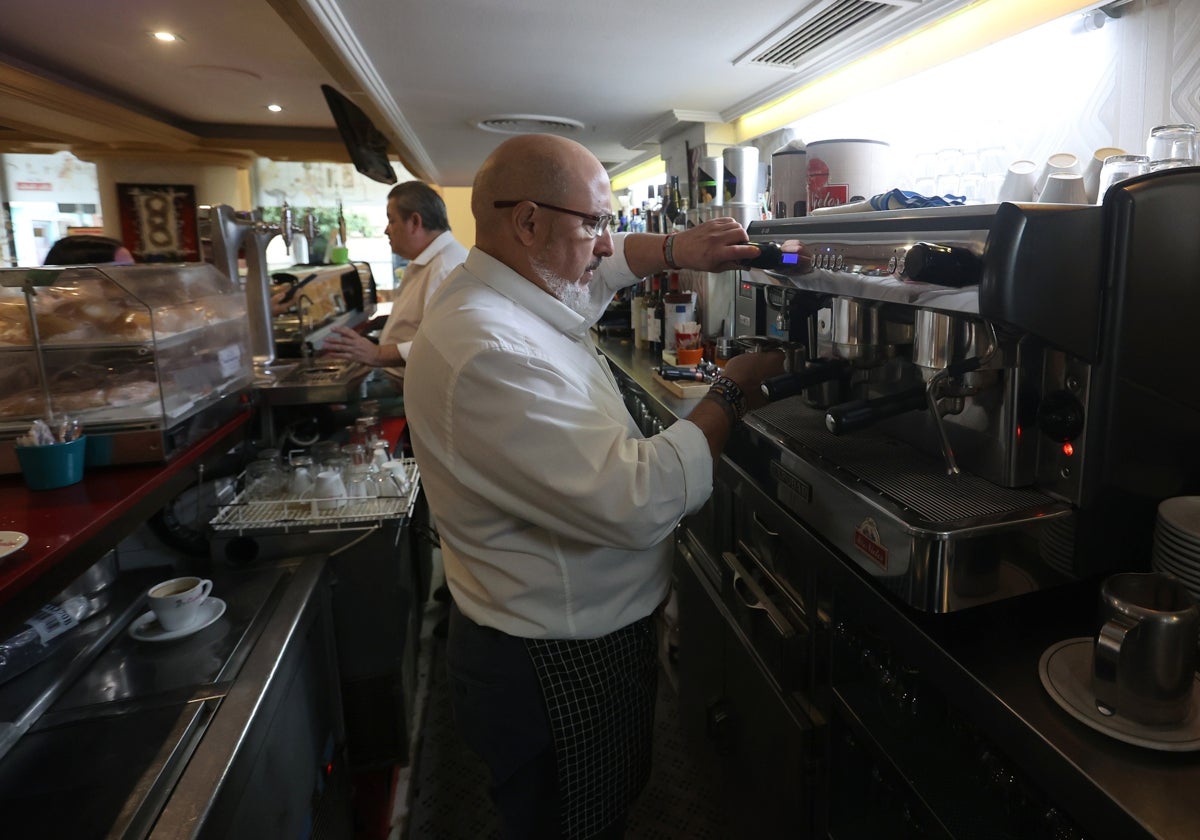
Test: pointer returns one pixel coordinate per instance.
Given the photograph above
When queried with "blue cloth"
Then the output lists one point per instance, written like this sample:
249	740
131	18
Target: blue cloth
905	200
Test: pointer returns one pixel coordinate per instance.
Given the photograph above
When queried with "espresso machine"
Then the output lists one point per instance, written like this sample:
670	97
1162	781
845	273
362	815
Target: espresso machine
991	399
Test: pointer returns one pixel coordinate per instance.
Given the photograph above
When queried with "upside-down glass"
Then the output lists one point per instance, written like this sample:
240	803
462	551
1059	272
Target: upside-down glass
1172	142
1118	168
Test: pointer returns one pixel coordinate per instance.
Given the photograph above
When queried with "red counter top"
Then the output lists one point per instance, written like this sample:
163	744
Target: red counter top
71	527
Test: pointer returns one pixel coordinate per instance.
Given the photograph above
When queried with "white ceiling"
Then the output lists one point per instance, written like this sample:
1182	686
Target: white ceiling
630	71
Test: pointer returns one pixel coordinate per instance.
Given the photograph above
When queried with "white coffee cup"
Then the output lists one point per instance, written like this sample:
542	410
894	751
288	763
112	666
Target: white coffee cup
1018	181
1060	163
1091	173
176	602
1064	188
329	490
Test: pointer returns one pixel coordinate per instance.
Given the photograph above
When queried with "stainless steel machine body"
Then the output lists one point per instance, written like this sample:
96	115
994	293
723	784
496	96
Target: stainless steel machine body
995	368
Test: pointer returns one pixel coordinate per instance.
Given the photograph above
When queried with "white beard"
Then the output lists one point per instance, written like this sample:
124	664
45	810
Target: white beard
575	296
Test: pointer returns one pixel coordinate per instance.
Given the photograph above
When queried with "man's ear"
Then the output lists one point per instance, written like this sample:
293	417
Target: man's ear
524	222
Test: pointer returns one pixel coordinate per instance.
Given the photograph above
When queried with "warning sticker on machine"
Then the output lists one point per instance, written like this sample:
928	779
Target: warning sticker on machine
867	540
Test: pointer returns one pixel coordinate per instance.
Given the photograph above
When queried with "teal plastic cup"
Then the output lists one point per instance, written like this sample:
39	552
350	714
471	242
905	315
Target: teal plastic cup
53	465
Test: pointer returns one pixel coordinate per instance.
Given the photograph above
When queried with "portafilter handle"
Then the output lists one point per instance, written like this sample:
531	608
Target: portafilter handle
859	414
785	385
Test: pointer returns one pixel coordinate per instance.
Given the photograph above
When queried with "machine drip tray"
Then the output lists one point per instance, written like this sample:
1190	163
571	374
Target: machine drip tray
914	485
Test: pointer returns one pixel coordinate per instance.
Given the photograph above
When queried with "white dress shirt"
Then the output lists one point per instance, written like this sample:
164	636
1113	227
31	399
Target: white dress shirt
422	277
556	514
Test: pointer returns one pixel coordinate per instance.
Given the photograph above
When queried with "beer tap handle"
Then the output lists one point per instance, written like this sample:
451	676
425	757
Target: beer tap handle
286	223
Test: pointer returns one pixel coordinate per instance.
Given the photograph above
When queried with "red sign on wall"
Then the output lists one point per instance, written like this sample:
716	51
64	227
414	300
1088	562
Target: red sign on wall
35	186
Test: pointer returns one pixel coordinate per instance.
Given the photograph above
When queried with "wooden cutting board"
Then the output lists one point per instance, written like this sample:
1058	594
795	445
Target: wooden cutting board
683	388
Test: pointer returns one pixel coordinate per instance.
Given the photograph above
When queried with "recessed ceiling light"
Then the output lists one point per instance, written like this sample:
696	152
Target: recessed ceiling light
275	108
163	35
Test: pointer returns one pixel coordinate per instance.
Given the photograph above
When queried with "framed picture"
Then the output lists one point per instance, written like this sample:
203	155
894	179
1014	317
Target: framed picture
159	222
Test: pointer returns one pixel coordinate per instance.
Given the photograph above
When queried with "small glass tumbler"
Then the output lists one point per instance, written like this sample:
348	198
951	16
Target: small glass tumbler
1170	163
1118	168
1171	142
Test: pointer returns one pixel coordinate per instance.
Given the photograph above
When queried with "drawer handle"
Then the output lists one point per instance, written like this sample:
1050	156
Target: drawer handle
761	601
762	525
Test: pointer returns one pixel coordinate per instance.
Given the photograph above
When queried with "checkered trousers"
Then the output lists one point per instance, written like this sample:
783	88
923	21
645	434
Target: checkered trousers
599	696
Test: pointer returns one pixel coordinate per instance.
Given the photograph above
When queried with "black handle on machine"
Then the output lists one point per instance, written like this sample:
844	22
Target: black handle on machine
770	255
784	385
858	414
297	286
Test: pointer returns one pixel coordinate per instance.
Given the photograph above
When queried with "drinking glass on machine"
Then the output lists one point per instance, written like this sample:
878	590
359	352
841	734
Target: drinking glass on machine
1171	142
1118	168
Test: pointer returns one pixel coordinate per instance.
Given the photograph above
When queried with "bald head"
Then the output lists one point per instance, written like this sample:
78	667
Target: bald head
541	167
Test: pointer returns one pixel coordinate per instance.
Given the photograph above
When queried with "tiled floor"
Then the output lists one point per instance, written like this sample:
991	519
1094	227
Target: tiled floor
449	799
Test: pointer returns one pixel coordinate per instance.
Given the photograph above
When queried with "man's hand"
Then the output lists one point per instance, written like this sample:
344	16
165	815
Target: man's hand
345	343
715	245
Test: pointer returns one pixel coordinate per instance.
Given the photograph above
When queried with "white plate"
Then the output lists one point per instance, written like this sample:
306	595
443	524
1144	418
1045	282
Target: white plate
147	629
1182	513
11	541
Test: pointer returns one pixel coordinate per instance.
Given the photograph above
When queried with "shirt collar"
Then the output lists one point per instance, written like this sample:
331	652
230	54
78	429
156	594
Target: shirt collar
525	294
434	248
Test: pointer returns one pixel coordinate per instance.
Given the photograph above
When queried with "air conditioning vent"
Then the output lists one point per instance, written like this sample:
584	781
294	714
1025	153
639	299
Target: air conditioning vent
528	124
816	29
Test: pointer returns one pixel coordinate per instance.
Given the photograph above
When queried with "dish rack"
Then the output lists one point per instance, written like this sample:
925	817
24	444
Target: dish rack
285	515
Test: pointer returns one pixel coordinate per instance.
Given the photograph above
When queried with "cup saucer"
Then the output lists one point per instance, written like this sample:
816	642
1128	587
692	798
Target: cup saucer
1065	670
11	541
147	629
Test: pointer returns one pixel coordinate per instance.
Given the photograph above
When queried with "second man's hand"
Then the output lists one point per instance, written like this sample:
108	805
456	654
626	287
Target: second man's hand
345	343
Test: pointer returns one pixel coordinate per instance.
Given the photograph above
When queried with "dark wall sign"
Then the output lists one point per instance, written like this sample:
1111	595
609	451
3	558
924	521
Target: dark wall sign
159	222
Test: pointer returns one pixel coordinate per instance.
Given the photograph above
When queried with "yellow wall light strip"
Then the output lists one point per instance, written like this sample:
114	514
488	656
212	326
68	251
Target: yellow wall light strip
962	32
655	167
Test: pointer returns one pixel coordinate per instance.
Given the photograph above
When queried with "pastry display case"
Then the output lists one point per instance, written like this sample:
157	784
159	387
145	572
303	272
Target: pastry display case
146	357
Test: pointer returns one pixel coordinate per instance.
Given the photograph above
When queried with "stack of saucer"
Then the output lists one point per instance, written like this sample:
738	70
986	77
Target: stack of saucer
1056	544
1177	541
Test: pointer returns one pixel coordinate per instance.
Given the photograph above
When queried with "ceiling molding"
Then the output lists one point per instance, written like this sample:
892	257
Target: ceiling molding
323	28
666	124
224	156
46	108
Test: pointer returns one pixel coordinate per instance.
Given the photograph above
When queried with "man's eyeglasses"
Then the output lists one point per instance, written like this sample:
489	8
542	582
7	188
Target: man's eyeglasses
596	224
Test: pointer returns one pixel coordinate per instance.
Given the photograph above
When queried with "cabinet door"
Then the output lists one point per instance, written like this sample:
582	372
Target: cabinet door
702	640
735	720
769	769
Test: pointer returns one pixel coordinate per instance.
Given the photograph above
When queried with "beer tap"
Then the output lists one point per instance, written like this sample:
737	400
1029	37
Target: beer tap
301	234
228	231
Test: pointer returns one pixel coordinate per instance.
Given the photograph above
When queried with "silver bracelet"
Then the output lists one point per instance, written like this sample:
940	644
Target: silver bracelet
669	252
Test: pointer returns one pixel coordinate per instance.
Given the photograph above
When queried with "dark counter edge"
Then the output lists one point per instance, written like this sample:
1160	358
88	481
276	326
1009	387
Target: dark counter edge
985	660
42	580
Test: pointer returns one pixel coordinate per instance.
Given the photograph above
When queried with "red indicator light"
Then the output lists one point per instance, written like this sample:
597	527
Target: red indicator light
1068	449
329	769
1018	431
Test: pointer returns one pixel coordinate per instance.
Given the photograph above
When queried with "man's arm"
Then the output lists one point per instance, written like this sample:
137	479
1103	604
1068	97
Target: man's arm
715	245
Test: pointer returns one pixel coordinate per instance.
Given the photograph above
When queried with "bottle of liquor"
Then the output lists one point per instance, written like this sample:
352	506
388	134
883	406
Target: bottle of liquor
637	315
654	318
677	217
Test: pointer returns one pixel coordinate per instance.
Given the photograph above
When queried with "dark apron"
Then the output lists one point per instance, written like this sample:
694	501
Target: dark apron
600	696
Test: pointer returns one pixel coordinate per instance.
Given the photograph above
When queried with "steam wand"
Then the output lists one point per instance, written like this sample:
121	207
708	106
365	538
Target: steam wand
934	386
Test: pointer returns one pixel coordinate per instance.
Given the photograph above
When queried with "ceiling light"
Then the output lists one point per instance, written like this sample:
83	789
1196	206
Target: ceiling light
163	35
274	108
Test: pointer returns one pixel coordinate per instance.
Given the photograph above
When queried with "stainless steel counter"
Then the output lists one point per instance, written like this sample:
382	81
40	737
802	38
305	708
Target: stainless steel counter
168	739
638	365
